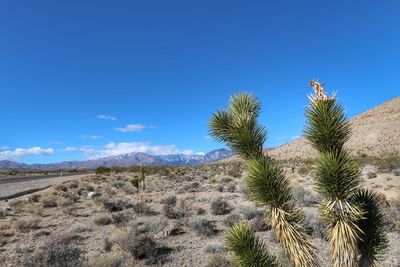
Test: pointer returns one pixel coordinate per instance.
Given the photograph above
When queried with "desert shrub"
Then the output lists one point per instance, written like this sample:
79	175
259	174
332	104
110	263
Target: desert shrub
114	206
304	170
61	187
232	219
103	170
371	175
107	244
200	211
219	188
304	196
49	202
26	225
220	207
259	224
218	260
250	212
142	208
34	198
170	200
231	187
235	170
121	217
225	179
313	224
106	261
396	172
392	212
139	247
205	227
73	184
103	220
3	212
144	247
193	185
57	251
171	213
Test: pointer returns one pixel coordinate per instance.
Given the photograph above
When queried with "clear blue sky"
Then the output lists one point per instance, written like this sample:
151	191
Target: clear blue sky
164	67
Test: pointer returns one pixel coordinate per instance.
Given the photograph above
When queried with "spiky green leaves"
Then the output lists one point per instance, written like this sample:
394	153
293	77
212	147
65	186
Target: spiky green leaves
267	183
336	175
237	126
373	242
247	249
327	128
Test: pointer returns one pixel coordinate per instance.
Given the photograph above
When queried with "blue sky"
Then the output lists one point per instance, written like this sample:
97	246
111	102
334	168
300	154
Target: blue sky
84	79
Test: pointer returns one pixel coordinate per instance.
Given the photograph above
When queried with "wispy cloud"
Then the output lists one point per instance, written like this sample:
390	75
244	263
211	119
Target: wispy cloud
131	128
114	149
22	152
106	117
207	137
55	142
70	148
90	137
4	147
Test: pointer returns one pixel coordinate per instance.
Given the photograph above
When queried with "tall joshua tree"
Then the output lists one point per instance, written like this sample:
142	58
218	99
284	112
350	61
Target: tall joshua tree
237	126
354	215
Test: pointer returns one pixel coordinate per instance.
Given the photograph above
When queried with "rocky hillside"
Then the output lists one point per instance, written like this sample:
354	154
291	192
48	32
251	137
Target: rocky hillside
375	133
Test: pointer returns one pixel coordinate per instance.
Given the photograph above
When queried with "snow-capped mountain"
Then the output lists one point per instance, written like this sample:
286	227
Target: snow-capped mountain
125	160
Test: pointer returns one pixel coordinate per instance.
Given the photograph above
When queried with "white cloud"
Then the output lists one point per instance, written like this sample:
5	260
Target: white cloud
22	152
131	128
4	147
106	117
55	142
70	148
91	137
114	149
207	137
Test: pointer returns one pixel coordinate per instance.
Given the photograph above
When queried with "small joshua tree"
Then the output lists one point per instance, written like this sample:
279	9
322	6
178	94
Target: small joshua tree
139	181
238	127
354	215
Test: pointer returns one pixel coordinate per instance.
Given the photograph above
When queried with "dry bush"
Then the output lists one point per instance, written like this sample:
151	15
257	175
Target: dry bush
49	202
205	227
103	220
232	219
392	212
106	261
231	187
26	225
121	217
220	207
305	197
170	200
58	251
219	188
144	247
34	198
218	260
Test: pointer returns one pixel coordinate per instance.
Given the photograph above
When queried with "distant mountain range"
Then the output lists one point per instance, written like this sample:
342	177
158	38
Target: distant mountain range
125	160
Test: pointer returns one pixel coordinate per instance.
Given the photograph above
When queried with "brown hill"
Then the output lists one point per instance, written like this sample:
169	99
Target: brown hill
375	133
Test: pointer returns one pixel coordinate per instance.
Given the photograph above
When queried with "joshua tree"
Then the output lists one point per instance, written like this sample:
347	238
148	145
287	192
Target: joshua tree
354	215
238	127
139	181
